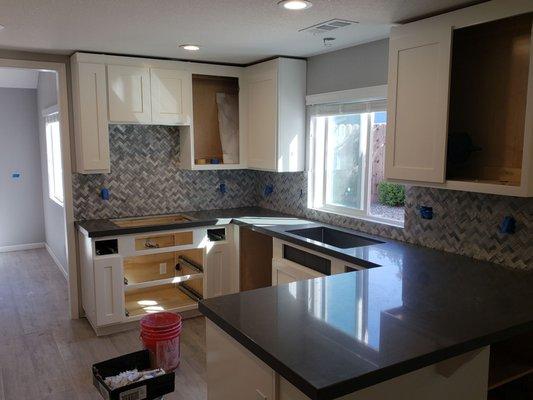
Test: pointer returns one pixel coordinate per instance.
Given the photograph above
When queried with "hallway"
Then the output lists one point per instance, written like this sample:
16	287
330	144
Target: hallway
45	355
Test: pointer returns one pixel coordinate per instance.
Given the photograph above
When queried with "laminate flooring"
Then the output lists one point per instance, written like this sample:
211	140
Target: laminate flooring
45	355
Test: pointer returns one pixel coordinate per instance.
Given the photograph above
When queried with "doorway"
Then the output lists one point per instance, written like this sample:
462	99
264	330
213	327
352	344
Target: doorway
35	165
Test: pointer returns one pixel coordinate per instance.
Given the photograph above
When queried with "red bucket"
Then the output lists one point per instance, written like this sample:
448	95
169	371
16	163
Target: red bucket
160	333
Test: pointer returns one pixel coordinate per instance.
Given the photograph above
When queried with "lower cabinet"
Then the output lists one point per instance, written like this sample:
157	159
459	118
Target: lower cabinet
284	271
248	378
108	282
126	277
219	271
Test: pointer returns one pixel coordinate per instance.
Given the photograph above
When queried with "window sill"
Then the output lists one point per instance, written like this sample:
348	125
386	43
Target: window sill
367	218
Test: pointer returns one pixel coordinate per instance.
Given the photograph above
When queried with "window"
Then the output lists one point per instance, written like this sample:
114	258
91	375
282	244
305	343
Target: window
53	155
347	142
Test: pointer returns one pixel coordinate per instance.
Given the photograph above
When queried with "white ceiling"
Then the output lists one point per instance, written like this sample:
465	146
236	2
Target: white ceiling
18	78
233	31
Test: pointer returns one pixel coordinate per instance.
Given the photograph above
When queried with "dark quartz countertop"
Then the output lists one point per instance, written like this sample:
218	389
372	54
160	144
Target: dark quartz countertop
331	336
106	227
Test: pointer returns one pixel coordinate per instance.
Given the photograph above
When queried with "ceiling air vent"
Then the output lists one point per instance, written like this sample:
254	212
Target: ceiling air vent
328	26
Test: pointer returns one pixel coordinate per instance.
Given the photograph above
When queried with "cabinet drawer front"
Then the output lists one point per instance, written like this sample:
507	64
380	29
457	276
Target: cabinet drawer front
151	242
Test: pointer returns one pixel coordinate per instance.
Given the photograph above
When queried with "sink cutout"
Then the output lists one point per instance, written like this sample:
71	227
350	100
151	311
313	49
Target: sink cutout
151	220
334	237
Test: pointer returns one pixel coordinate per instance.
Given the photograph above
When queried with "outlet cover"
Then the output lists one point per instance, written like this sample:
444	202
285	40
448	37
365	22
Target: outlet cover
162	268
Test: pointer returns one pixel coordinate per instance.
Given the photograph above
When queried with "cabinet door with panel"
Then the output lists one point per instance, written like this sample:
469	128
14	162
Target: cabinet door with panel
218	270
171	92
129	94
276	115
262	117
284	271
90	117
109	289
419	77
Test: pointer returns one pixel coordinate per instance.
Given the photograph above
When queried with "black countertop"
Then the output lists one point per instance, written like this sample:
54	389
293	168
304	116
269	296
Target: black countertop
105	227
331	336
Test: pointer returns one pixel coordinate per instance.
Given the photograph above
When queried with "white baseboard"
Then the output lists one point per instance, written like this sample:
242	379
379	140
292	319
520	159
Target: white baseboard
20	247
56	261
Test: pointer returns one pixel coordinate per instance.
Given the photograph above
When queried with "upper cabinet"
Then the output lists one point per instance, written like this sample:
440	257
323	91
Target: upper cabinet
276	115
418	102
90	117
129	94
170	96
461	100
229	117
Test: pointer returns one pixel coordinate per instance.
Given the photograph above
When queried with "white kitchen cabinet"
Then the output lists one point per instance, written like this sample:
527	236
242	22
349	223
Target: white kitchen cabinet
249	379
276	115
108	289
219	274
171	96
284	271
129	94
90	117
419	65
462	83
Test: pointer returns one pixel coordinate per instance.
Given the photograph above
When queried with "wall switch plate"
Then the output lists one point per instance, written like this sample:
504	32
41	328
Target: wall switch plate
162	268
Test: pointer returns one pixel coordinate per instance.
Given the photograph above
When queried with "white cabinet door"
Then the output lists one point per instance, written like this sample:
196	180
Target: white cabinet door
109	290
90	117
129	94
419	76
218	272
284	271
262	119
171	92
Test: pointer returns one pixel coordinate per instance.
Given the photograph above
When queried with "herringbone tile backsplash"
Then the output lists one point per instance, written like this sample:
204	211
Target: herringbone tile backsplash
145	179
464	223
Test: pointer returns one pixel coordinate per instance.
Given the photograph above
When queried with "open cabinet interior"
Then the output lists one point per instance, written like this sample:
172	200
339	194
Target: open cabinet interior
163	281
488	92
215	119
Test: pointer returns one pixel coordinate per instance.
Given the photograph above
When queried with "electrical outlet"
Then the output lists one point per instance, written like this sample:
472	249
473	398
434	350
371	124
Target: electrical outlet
162	268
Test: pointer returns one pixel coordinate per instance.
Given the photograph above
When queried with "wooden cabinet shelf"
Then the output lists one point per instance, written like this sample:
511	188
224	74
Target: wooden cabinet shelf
160	298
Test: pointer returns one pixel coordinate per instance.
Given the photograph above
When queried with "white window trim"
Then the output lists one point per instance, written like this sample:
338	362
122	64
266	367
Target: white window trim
367	94
46	113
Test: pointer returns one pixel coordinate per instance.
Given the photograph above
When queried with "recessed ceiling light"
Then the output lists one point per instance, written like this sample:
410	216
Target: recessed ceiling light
190	47
295	4
2	27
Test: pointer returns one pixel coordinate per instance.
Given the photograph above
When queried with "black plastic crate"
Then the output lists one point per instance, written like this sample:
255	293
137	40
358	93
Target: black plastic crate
148	389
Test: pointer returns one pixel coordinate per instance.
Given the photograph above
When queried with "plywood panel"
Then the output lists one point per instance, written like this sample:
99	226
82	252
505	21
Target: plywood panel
490	68
150	242
206	133
255	259
160	298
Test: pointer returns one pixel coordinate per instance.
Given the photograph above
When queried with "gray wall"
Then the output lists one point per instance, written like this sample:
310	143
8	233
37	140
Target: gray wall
351	68
54	214
21	205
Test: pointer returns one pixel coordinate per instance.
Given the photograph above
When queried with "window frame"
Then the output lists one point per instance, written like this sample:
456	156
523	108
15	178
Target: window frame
361	95
50	156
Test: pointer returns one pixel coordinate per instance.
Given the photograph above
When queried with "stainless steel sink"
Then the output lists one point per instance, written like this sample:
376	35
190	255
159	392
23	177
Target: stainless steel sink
334	237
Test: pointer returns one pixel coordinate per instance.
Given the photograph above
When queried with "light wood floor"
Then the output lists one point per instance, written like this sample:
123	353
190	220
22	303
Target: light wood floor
44	355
